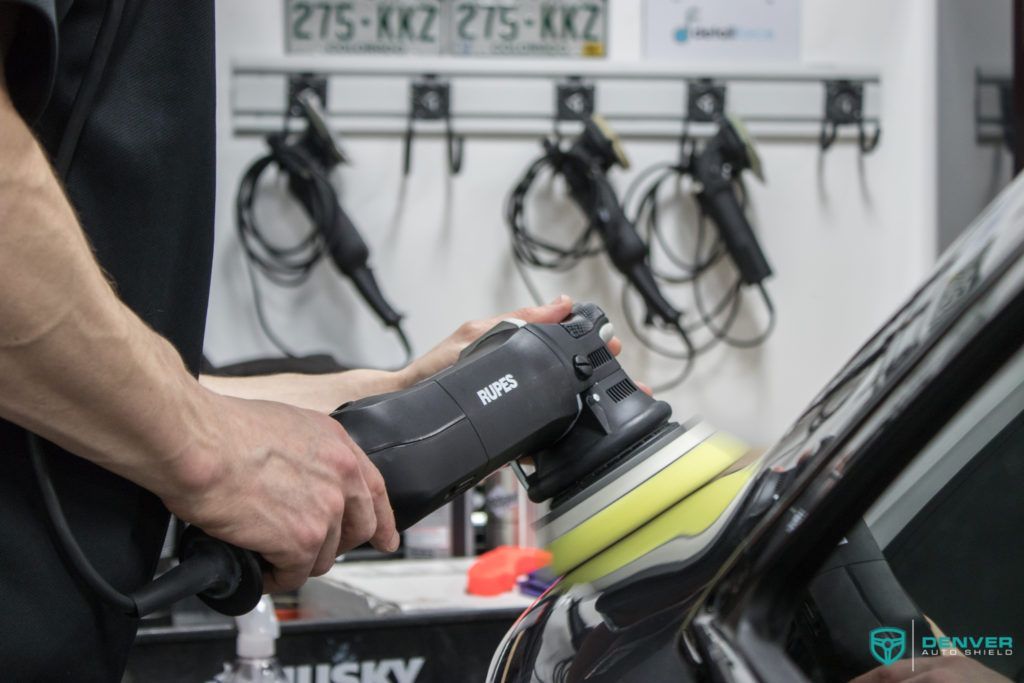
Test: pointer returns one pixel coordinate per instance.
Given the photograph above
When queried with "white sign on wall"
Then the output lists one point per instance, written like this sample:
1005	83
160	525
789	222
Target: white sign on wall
722	30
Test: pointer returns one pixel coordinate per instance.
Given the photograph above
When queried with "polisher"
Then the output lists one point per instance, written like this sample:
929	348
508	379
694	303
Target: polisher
605	454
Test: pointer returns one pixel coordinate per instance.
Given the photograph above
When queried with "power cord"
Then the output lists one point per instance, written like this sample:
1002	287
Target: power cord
717	320
584	164
527	247
66	538
331	234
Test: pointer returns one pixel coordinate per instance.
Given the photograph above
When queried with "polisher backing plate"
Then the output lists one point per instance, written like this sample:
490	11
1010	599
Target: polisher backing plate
634	493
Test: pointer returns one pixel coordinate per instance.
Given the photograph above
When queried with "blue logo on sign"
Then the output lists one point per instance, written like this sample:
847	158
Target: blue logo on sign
888	644
683	32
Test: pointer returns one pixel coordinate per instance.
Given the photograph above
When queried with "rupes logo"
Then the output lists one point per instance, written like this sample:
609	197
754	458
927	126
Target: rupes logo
497	389
888	644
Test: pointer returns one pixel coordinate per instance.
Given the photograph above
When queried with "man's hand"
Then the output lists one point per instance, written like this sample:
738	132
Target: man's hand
285	482
954	669
447	352
324	393
82	370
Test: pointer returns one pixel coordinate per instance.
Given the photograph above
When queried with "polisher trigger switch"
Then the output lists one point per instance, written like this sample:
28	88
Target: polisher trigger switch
606	332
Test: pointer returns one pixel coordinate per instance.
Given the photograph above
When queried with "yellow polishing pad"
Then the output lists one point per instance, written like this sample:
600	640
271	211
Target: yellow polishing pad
689	517
685	475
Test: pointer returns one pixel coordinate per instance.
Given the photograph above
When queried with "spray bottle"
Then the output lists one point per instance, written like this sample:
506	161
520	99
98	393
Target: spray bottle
256	660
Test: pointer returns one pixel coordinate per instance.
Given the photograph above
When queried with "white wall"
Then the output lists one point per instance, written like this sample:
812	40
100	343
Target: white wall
848	237
972	36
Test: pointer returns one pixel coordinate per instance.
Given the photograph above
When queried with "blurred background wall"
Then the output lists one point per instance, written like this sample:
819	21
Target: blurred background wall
849	235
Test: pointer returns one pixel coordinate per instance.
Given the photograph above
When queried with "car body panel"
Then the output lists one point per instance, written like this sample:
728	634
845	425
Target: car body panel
717	594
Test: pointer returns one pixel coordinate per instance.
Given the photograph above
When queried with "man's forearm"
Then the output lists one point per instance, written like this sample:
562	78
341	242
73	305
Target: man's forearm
76	365
322	393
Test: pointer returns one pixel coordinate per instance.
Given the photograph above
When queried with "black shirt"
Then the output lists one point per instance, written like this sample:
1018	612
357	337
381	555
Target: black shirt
121	96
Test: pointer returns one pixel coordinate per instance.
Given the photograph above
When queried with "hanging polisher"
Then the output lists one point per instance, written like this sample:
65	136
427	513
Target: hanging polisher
602	449
725	155
307	159
585	165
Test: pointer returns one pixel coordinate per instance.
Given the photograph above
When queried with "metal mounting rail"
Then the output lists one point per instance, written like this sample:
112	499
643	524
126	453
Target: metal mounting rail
517	98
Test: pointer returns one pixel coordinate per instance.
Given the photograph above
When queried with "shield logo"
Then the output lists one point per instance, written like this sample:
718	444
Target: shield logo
888	644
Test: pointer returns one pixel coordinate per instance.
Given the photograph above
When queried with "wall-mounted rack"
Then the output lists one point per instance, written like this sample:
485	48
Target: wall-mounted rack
501	98
993	108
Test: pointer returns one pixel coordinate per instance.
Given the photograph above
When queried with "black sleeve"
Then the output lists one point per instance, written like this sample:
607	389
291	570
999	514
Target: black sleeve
32	56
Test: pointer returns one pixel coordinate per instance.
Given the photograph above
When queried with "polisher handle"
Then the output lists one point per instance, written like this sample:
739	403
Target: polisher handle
718	199
596	197
521	389
721	204
509	394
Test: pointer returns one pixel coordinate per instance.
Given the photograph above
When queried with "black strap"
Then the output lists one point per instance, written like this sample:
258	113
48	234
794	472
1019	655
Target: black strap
86	97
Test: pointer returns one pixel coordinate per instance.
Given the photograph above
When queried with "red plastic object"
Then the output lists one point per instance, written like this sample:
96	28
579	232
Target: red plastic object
496	571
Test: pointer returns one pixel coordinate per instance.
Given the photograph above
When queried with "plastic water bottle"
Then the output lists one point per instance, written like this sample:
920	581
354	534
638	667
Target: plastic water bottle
256	652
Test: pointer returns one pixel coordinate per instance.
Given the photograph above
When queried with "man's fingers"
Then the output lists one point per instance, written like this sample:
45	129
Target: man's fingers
328	551
386	537
281	582
383	534
285	579
615	346
554	312
360	521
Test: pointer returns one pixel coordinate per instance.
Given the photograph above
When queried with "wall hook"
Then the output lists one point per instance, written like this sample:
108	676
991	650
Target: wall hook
844	105
868	144
705	100
305	82
430	100
705	103
1006	115
574	101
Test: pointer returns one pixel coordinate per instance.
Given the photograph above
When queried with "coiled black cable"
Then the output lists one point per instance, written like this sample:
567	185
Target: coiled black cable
289	265
647	187
531	249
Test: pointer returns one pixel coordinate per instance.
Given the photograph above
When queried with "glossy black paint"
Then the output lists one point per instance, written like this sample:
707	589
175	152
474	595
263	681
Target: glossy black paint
717	607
